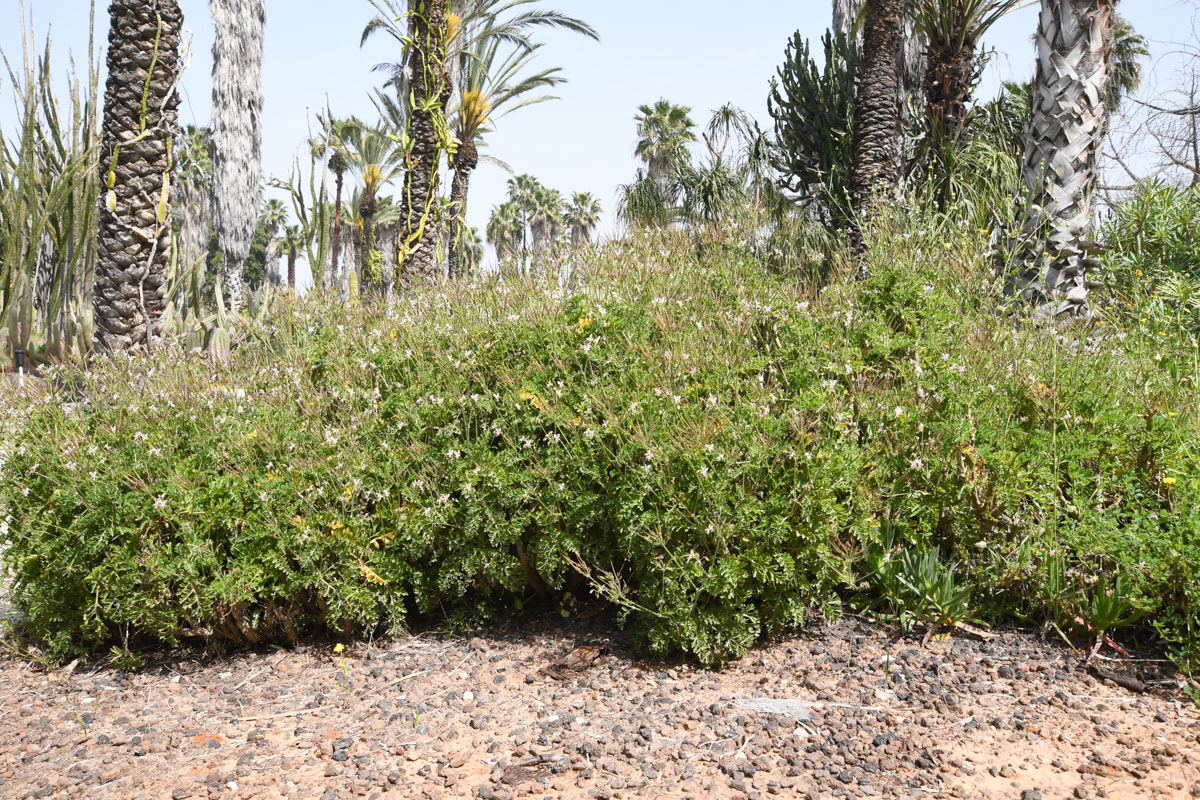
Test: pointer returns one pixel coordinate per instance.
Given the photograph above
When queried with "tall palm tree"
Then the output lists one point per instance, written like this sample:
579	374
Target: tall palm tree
331	144
237	102
1128	50
274	217
376	159
664	131
292	241
581	217
426	140
876	108
505	230
512	22
522	189
140	122
1062	149
493	84
545	218
953	29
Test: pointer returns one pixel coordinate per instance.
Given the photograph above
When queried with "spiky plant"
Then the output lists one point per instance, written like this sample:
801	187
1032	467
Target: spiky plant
812	105
140	125
1062	151
237	102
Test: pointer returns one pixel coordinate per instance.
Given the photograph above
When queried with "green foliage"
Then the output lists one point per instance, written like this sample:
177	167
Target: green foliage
710	446
813	109
1153	268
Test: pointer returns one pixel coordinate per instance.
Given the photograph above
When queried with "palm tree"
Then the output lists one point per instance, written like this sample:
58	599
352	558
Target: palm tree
291	243
521	192
664	132
953	29
581	217
545	218
877	111
1129	48
332	144
425	140
140	122
512	22
237	102
376	159
506	230
1062	149
274	216
492	86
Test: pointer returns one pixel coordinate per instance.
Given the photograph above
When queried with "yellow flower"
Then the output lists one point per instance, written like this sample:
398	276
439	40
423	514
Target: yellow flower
1170	481
534	400
338	648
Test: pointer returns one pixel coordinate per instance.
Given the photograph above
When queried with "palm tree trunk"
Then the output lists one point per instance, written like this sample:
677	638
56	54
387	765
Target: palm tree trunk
368	278
465	161
877	110
140	121
910	64
292	253
1062	150
949	75
427	126
237	102
335	254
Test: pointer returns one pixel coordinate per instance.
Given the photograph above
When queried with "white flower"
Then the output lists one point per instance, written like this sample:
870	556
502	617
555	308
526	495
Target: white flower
704	472
161	502
140	437
899	412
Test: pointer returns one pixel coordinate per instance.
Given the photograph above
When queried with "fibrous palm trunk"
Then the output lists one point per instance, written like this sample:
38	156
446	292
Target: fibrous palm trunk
1062	150
140	121
910	64
876	108
465	161
237	102
427	133
368	278
338	165
291	257
949	77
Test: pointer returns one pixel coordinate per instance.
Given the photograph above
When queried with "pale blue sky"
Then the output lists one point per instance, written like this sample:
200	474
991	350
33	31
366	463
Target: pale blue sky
700	53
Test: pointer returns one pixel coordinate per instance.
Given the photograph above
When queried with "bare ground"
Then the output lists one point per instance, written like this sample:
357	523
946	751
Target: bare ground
430	717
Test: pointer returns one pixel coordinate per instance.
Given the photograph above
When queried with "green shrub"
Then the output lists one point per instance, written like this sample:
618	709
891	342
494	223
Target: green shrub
697	439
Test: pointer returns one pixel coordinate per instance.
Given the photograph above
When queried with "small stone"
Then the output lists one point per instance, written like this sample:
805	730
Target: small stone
1031	794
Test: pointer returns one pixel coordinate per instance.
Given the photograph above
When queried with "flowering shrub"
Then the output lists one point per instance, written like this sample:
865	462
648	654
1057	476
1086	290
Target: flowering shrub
705	444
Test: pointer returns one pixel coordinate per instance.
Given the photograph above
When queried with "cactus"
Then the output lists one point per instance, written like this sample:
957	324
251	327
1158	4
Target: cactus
20	316
219	344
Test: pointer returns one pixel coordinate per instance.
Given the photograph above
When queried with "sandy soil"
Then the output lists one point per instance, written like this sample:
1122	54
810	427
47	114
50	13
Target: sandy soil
487	717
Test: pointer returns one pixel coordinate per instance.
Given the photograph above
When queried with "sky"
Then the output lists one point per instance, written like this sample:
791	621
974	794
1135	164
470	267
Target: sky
698	53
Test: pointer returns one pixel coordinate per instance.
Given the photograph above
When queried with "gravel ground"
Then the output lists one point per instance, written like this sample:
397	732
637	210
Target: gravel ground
491	717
